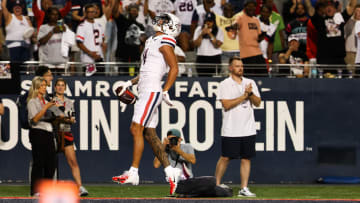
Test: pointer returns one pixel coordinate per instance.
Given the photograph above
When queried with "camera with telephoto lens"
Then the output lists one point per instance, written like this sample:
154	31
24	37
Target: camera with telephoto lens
173	141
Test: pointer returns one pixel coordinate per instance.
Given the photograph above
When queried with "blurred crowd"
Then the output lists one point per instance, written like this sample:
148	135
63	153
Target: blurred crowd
297	32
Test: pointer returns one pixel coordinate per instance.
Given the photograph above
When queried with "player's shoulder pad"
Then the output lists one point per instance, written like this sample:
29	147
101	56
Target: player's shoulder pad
169	40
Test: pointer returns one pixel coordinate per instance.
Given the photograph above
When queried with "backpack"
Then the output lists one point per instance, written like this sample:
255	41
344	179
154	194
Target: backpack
21	103
203	186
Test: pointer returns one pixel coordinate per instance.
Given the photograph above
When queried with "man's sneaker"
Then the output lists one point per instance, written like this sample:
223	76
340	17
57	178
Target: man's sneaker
127	177
173	176
83	192
245	192
90	70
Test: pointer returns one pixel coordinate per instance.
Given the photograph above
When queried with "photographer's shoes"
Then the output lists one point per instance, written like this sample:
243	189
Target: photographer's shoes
173	177
127	178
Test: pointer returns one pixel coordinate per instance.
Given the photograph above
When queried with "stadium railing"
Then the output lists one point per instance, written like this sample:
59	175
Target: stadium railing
191	69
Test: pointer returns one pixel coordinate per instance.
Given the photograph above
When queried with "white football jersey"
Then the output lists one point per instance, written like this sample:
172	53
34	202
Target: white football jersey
153	65
185	10
91	35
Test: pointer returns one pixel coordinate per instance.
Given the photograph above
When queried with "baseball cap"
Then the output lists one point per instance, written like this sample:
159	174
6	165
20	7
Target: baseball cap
18	3
174	132
292	37
210	16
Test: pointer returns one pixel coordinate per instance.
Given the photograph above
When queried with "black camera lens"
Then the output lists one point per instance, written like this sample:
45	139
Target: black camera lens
173	141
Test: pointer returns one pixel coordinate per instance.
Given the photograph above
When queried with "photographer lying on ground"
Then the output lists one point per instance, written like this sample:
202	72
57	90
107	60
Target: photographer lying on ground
182	156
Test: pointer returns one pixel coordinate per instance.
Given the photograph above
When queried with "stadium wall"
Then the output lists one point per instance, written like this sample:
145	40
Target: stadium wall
307	128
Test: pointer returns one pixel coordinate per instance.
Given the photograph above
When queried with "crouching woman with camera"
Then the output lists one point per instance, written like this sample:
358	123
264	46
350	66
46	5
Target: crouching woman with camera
41	134
64	131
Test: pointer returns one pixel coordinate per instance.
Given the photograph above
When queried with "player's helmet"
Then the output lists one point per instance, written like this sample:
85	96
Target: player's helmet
167	23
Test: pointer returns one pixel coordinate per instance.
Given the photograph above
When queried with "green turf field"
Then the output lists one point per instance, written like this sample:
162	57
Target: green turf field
158	191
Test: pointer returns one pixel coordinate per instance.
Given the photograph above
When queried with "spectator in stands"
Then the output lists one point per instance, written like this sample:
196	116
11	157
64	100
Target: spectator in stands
11	3
67	107
78	7
298	26
260	3
290	8
90	40
207	39
351	40
18	32
279	39
266	45
311	38
129	36
294	55
45	5
41	134
330	29
51	40
237	4
141	17
185	10
230	47
249	33
200	12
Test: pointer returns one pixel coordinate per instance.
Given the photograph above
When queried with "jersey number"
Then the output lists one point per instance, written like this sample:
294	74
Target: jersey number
144	55
96	37
186	6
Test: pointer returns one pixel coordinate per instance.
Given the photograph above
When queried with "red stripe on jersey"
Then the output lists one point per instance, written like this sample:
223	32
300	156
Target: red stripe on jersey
146	108
166	38
78	36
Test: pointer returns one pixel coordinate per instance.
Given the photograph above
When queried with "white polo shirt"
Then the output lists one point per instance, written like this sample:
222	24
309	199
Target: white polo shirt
240	120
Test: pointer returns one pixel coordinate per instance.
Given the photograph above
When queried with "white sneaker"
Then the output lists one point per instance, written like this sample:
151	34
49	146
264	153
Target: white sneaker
83	192
127	177
245	192
173	176
90	70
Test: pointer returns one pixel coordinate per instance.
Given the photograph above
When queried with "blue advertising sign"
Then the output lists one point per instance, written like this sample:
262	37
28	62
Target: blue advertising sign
306	129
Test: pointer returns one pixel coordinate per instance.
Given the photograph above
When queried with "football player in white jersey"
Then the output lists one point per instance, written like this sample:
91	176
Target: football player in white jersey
157	56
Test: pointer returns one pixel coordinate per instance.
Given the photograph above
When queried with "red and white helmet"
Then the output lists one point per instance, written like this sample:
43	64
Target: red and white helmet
167	23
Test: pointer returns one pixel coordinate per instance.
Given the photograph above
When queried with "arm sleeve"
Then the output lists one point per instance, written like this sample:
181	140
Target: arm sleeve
197	32
223	92
168	40
255	88
32	110
42	32
80	33
220	35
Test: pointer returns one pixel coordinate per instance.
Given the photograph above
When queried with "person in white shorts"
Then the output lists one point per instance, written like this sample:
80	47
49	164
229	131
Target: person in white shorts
238	95
157	56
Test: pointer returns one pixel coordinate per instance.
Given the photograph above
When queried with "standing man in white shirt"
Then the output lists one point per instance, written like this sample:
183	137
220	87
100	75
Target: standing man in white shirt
238	95
90	40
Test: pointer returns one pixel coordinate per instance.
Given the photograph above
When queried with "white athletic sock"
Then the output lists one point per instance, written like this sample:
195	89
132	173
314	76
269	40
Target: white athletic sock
133	170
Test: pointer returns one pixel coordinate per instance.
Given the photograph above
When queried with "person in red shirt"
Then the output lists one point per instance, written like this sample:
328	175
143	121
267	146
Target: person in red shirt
45	4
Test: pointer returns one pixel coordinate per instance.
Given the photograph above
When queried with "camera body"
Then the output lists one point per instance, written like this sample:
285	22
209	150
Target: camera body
173	141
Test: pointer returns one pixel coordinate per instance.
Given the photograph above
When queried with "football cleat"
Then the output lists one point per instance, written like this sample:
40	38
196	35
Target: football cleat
173	176
127	178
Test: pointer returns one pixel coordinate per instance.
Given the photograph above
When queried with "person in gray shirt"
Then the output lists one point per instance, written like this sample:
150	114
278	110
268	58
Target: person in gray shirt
40	134
180	155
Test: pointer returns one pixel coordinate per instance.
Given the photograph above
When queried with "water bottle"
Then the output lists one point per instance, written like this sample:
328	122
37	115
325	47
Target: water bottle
313	72
339	73
320	73
350	74
189	72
